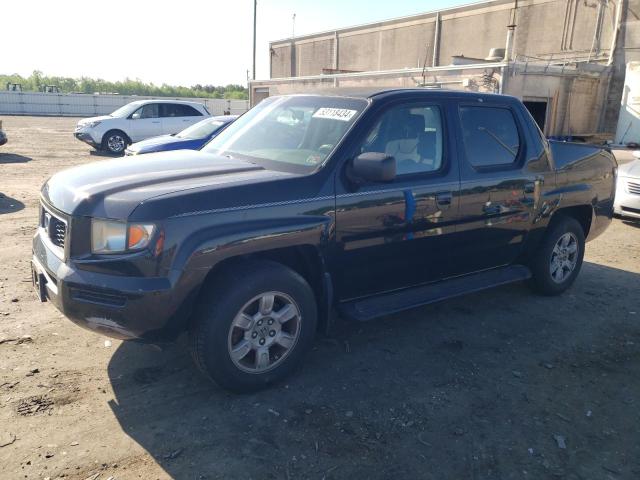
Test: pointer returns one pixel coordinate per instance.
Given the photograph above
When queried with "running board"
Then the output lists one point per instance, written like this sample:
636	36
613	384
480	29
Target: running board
365	309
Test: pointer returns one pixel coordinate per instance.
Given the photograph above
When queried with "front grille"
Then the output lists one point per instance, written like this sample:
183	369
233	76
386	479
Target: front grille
633	188
55	227
58	232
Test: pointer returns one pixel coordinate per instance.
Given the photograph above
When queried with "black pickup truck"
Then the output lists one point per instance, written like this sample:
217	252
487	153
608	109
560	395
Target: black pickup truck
364	204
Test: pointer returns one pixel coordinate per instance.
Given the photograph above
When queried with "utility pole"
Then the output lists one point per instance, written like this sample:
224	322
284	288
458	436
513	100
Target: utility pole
255	11
293	28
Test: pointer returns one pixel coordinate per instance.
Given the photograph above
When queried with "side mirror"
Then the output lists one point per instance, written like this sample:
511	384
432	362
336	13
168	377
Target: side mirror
374	167
136	116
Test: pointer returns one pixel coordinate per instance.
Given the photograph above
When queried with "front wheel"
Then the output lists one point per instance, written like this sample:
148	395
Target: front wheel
115	142
255	322
559	258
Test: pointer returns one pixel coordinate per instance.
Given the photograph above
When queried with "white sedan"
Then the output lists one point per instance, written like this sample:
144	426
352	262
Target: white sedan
137	121
627	203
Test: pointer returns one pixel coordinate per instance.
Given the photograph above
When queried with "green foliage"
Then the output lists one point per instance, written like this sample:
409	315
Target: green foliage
37	80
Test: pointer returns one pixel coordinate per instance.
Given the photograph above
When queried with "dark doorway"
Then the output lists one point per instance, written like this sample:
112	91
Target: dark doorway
538	111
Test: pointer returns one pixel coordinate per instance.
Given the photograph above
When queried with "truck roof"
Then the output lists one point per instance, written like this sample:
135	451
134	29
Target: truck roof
388	92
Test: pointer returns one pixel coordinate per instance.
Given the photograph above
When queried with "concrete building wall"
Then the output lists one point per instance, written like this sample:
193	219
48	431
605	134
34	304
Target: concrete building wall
627	50
281	61
579	34
312	57
574	96
545	28
473	33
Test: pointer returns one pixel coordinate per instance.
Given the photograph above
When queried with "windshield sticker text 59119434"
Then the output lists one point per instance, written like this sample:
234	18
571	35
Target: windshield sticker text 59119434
335	114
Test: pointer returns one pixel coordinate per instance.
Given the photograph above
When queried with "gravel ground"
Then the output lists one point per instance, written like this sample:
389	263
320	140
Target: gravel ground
499	385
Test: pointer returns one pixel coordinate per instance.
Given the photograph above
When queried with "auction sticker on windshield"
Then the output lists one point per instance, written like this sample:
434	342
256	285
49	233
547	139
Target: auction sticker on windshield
335	114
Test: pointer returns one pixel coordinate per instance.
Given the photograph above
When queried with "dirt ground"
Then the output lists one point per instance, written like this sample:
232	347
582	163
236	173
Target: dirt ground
498	385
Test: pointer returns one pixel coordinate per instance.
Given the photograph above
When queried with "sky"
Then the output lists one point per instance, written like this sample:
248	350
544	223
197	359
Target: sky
189	42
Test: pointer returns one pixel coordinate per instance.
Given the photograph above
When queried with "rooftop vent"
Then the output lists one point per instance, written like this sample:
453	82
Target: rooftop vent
496	55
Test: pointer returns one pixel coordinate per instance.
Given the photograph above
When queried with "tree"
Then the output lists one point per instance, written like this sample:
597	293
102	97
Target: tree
37	80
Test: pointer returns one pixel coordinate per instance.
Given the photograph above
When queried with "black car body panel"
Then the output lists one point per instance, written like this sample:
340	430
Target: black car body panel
358	239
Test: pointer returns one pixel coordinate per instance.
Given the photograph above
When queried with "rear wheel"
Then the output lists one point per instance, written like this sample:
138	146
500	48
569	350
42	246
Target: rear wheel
115	141
253	326
559	258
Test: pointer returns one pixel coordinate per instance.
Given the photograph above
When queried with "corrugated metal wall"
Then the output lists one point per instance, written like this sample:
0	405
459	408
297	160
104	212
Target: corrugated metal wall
81	105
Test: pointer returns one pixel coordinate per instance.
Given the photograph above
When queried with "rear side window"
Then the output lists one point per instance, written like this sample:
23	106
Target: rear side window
490	136
179	110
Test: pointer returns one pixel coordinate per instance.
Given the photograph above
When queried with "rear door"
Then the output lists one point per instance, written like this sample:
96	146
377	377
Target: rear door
145	122
395	235
177	116
498	186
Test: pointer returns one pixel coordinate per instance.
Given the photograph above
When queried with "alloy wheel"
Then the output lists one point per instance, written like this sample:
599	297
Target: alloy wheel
116	143
264	332
564	257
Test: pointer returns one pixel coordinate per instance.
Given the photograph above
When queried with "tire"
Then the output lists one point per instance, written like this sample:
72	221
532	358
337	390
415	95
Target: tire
558	260
115	142
235	314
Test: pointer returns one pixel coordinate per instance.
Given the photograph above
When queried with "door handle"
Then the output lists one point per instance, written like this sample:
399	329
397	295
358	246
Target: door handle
156	122
443	199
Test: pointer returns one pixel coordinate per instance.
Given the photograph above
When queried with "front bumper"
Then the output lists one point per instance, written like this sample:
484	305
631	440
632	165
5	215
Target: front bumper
124	307
627	204
87	138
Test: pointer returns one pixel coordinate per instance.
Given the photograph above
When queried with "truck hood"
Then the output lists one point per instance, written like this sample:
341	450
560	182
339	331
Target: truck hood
114	188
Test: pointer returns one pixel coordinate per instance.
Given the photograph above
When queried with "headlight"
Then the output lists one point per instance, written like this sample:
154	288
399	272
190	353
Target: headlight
109	236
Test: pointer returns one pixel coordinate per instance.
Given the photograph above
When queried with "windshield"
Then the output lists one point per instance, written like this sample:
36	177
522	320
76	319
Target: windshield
125	110
294	133
201	129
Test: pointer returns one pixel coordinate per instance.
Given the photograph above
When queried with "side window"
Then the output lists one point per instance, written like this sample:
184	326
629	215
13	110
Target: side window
490	136
149	110
179	110
168	110
413	135
188	111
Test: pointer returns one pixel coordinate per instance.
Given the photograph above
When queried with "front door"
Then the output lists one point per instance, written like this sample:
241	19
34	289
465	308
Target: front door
394	235
145	122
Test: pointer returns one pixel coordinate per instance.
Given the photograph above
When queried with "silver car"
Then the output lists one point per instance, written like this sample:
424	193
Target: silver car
627	203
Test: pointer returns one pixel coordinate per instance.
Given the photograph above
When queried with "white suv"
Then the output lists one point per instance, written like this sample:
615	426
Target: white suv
137	121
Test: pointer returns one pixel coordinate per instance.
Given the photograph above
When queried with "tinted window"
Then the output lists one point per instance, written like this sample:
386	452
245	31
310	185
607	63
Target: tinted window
412	135
490	136
179	110
149	110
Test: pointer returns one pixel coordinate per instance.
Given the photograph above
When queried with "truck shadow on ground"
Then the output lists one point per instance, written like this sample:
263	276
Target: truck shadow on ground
9	205
13	158
485	386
